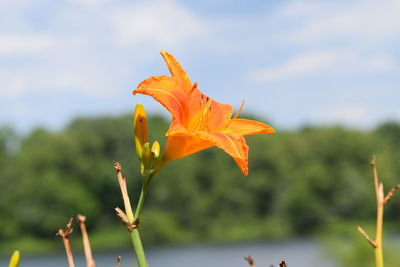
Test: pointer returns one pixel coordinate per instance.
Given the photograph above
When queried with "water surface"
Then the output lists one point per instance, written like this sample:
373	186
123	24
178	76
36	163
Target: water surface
302	253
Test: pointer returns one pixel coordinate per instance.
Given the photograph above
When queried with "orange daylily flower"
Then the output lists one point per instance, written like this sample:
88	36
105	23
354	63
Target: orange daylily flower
198	121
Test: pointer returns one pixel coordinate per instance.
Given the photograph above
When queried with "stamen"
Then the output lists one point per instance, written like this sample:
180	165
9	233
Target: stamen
240	110
203	114
206	113
201	111
236	115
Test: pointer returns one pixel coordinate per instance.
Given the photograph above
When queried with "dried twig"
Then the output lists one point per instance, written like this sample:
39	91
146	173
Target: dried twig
118	261
125	220
369	240
124	191
250	260
86	244
64	234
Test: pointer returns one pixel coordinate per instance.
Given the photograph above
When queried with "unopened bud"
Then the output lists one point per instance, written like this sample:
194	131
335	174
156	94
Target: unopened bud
140	129
155	149
14	261
146	156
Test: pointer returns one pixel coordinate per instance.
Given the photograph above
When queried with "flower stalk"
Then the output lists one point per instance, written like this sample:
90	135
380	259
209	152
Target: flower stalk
130	221
199	122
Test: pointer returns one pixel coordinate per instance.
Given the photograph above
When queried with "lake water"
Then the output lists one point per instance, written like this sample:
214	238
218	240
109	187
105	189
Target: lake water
303	253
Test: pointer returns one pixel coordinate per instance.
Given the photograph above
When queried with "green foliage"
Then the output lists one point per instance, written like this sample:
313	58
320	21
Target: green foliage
300	182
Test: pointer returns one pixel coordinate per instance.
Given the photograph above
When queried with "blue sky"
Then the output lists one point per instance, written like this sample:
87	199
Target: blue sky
294	62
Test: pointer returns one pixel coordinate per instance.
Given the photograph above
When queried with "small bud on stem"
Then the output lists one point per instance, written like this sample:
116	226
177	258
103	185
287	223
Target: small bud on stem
140	129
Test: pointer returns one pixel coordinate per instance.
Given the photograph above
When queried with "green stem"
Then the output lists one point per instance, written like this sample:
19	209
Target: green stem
142	197
138	247
135	236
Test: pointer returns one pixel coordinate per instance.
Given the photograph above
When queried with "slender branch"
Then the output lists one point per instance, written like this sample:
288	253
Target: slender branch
375	174
391	193
86	244
380	204
250	260
118	261
64	234
369	240
379	226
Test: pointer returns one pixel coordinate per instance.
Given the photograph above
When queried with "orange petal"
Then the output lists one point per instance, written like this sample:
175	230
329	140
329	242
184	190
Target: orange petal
220	114
236	148
183	145
240	127
166	91
177	71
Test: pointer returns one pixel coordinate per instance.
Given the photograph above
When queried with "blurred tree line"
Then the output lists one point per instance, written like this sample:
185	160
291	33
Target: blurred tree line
300	182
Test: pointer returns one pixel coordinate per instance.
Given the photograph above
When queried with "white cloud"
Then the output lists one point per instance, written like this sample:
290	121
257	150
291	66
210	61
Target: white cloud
316	21
84	51
346	114
381	63
90	3
338	62
12	83
350	114
15	83
353	115
303	64
98	50
25	44
163	23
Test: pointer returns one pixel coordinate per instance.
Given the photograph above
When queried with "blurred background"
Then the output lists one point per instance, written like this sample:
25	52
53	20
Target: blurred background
324	74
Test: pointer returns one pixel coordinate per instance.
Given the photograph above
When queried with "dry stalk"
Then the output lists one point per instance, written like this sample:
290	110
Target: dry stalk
118	261
124	191
391	193
64	234
86	244
250	260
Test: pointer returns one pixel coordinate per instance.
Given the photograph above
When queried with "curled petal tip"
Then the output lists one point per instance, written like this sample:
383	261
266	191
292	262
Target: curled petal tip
271	130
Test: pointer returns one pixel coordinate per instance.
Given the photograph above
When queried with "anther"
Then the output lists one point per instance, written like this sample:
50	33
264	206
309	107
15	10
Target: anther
193	87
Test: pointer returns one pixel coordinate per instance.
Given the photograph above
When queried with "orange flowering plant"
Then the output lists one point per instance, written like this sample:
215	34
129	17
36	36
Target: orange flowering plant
198	122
